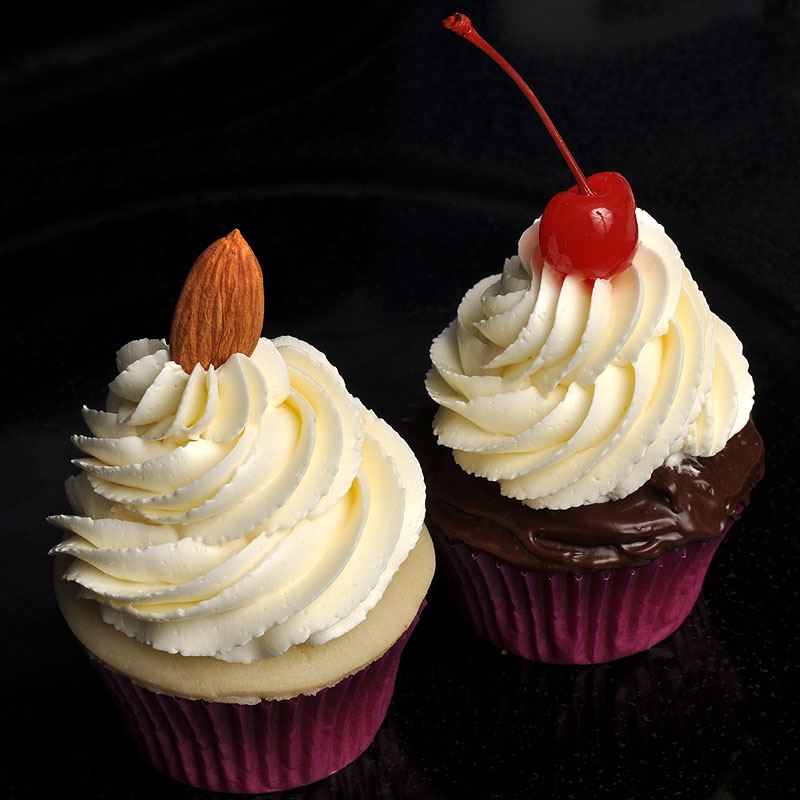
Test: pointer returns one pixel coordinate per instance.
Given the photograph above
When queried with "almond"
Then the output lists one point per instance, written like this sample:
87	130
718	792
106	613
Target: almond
220	310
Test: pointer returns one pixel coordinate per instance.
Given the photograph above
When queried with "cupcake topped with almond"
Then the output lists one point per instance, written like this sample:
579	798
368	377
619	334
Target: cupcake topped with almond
245	533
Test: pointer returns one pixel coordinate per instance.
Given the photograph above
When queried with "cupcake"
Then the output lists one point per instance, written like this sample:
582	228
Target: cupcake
593	439
246	557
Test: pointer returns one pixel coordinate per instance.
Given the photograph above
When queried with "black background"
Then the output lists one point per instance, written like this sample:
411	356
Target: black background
379	166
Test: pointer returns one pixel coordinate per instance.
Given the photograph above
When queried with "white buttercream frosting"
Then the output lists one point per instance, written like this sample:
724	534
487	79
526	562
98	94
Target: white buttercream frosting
237	511
568	392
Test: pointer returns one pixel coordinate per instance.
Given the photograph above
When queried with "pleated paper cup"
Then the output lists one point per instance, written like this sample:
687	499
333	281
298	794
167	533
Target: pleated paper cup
561	618
264	747
265	726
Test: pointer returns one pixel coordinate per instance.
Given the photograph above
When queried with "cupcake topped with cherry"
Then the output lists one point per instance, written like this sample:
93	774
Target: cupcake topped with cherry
592	420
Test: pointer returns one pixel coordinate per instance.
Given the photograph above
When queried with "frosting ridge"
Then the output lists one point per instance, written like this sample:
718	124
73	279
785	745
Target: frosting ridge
568	392
236	511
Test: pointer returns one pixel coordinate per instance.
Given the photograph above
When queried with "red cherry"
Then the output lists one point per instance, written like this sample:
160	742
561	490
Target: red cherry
590	230
591	235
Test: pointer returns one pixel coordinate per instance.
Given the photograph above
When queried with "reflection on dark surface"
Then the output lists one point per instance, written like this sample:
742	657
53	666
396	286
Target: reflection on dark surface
781	45
141	69
663	723
383	772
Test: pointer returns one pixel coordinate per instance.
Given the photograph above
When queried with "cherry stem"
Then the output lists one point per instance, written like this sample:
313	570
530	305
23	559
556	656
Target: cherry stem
462	25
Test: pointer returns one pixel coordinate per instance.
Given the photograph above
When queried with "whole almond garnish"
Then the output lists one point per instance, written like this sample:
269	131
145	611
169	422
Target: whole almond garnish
220	310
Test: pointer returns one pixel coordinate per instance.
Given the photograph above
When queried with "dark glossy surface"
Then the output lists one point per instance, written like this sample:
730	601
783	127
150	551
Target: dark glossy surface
378	175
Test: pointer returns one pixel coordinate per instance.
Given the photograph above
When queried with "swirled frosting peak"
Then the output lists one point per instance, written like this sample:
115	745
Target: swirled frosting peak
569	392
236	511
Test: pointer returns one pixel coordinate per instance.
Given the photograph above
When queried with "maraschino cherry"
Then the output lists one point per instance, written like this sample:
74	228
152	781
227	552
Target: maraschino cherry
590	230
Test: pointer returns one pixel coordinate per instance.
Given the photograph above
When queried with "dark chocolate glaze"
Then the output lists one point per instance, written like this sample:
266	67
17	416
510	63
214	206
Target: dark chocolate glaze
695	501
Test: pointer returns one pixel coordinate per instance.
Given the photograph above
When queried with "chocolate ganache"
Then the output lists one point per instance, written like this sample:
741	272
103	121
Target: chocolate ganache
693	501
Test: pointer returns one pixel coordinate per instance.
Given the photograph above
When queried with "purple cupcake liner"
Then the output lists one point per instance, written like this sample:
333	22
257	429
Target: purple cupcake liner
265	747
561	618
